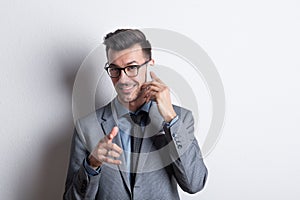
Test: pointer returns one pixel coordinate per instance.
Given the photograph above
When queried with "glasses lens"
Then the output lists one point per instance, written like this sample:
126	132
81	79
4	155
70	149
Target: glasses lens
113	72
131	70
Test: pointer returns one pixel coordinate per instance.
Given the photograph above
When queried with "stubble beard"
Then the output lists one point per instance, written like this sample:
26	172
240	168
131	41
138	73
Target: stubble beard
132	98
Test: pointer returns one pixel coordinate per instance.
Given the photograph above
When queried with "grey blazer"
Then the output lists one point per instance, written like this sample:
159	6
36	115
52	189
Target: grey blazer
169	157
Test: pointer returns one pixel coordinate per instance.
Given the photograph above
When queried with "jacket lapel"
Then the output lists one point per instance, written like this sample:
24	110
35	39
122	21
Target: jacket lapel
107	124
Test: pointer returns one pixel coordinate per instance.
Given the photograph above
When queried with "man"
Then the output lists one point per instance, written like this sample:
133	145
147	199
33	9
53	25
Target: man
139	146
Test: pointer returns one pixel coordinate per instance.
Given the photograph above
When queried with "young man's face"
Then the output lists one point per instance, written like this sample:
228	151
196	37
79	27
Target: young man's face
128	88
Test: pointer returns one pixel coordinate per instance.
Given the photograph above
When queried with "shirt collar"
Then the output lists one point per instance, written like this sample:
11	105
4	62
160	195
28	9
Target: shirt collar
121	110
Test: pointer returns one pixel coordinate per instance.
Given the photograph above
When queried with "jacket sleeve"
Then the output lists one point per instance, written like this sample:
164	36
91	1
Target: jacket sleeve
79	185
187	162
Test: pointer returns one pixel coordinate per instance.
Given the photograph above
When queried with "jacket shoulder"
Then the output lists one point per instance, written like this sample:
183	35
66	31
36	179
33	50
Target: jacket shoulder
97	114
180	110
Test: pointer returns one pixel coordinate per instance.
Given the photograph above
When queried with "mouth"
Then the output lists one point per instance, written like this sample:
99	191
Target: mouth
126	88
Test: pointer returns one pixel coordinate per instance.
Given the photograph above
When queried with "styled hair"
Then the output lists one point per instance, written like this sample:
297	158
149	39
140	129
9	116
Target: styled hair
125	38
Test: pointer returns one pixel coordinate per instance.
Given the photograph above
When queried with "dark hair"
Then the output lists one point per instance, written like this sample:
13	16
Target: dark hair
125	38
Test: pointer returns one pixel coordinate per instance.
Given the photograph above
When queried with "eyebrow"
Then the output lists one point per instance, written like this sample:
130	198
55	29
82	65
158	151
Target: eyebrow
129	63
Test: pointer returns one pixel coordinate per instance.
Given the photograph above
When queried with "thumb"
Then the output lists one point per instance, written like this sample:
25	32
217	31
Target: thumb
113	133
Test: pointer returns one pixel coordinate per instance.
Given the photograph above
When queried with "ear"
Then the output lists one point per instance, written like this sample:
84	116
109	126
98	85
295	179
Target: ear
151	62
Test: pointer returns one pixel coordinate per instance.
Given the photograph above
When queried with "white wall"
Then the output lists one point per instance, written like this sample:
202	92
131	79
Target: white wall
254	45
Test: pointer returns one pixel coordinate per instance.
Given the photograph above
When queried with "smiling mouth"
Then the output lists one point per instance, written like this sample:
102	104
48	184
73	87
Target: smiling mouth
126	88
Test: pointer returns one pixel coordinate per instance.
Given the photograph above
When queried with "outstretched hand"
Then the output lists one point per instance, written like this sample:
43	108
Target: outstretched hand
106	151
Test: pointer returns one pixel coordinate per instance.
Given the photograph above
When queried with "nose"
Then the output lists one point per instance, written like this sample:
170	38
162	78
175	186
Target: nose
123	77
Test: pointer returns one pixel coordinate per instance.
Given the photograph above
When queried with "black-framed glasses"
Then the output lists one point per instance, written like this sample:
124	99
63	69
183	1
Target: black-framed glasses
114	71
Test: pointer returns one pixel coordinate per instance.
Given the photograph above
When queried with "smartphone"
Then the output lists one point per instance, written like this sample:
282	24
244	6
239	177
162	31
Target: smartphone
148	78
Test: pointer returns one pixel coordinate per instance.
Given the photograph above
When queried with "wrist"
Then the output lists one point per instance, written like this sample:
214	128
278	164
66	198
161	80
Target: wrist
170	117
93	162
89	169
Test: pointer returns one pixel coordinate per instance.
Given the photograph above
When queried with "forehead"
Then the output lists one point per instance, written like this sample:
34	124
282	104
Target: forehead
134	53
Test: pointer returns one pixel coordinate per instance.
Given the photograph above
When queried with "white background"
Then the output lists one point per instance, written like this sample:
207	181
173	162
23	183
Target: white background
254	45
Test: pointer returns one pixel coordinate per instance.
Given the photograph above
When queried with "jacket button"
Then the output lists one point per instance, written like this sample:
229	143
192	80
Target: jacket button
83	186
82	190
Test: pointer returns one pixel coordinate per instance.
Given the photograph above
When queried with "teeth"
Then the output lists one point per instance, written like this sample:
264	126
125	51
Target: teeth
126	87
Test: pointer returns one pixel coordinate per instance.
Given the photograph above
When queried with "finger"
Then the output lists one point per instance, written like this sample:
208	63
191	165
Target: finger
145	86
112	161
105	152
114	147
102	151
150	96
113	154
152	93
155	77
109	160
147	98
148	85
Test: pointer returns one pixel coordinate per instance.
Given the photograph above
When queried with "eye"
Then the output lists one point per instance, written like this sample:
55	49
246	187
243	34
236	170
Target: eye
131	67
113	69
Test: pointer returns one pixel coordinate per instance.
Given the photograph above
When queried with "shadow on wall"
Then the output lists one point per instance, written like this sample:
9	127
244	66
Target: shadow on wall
52	168
46	179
